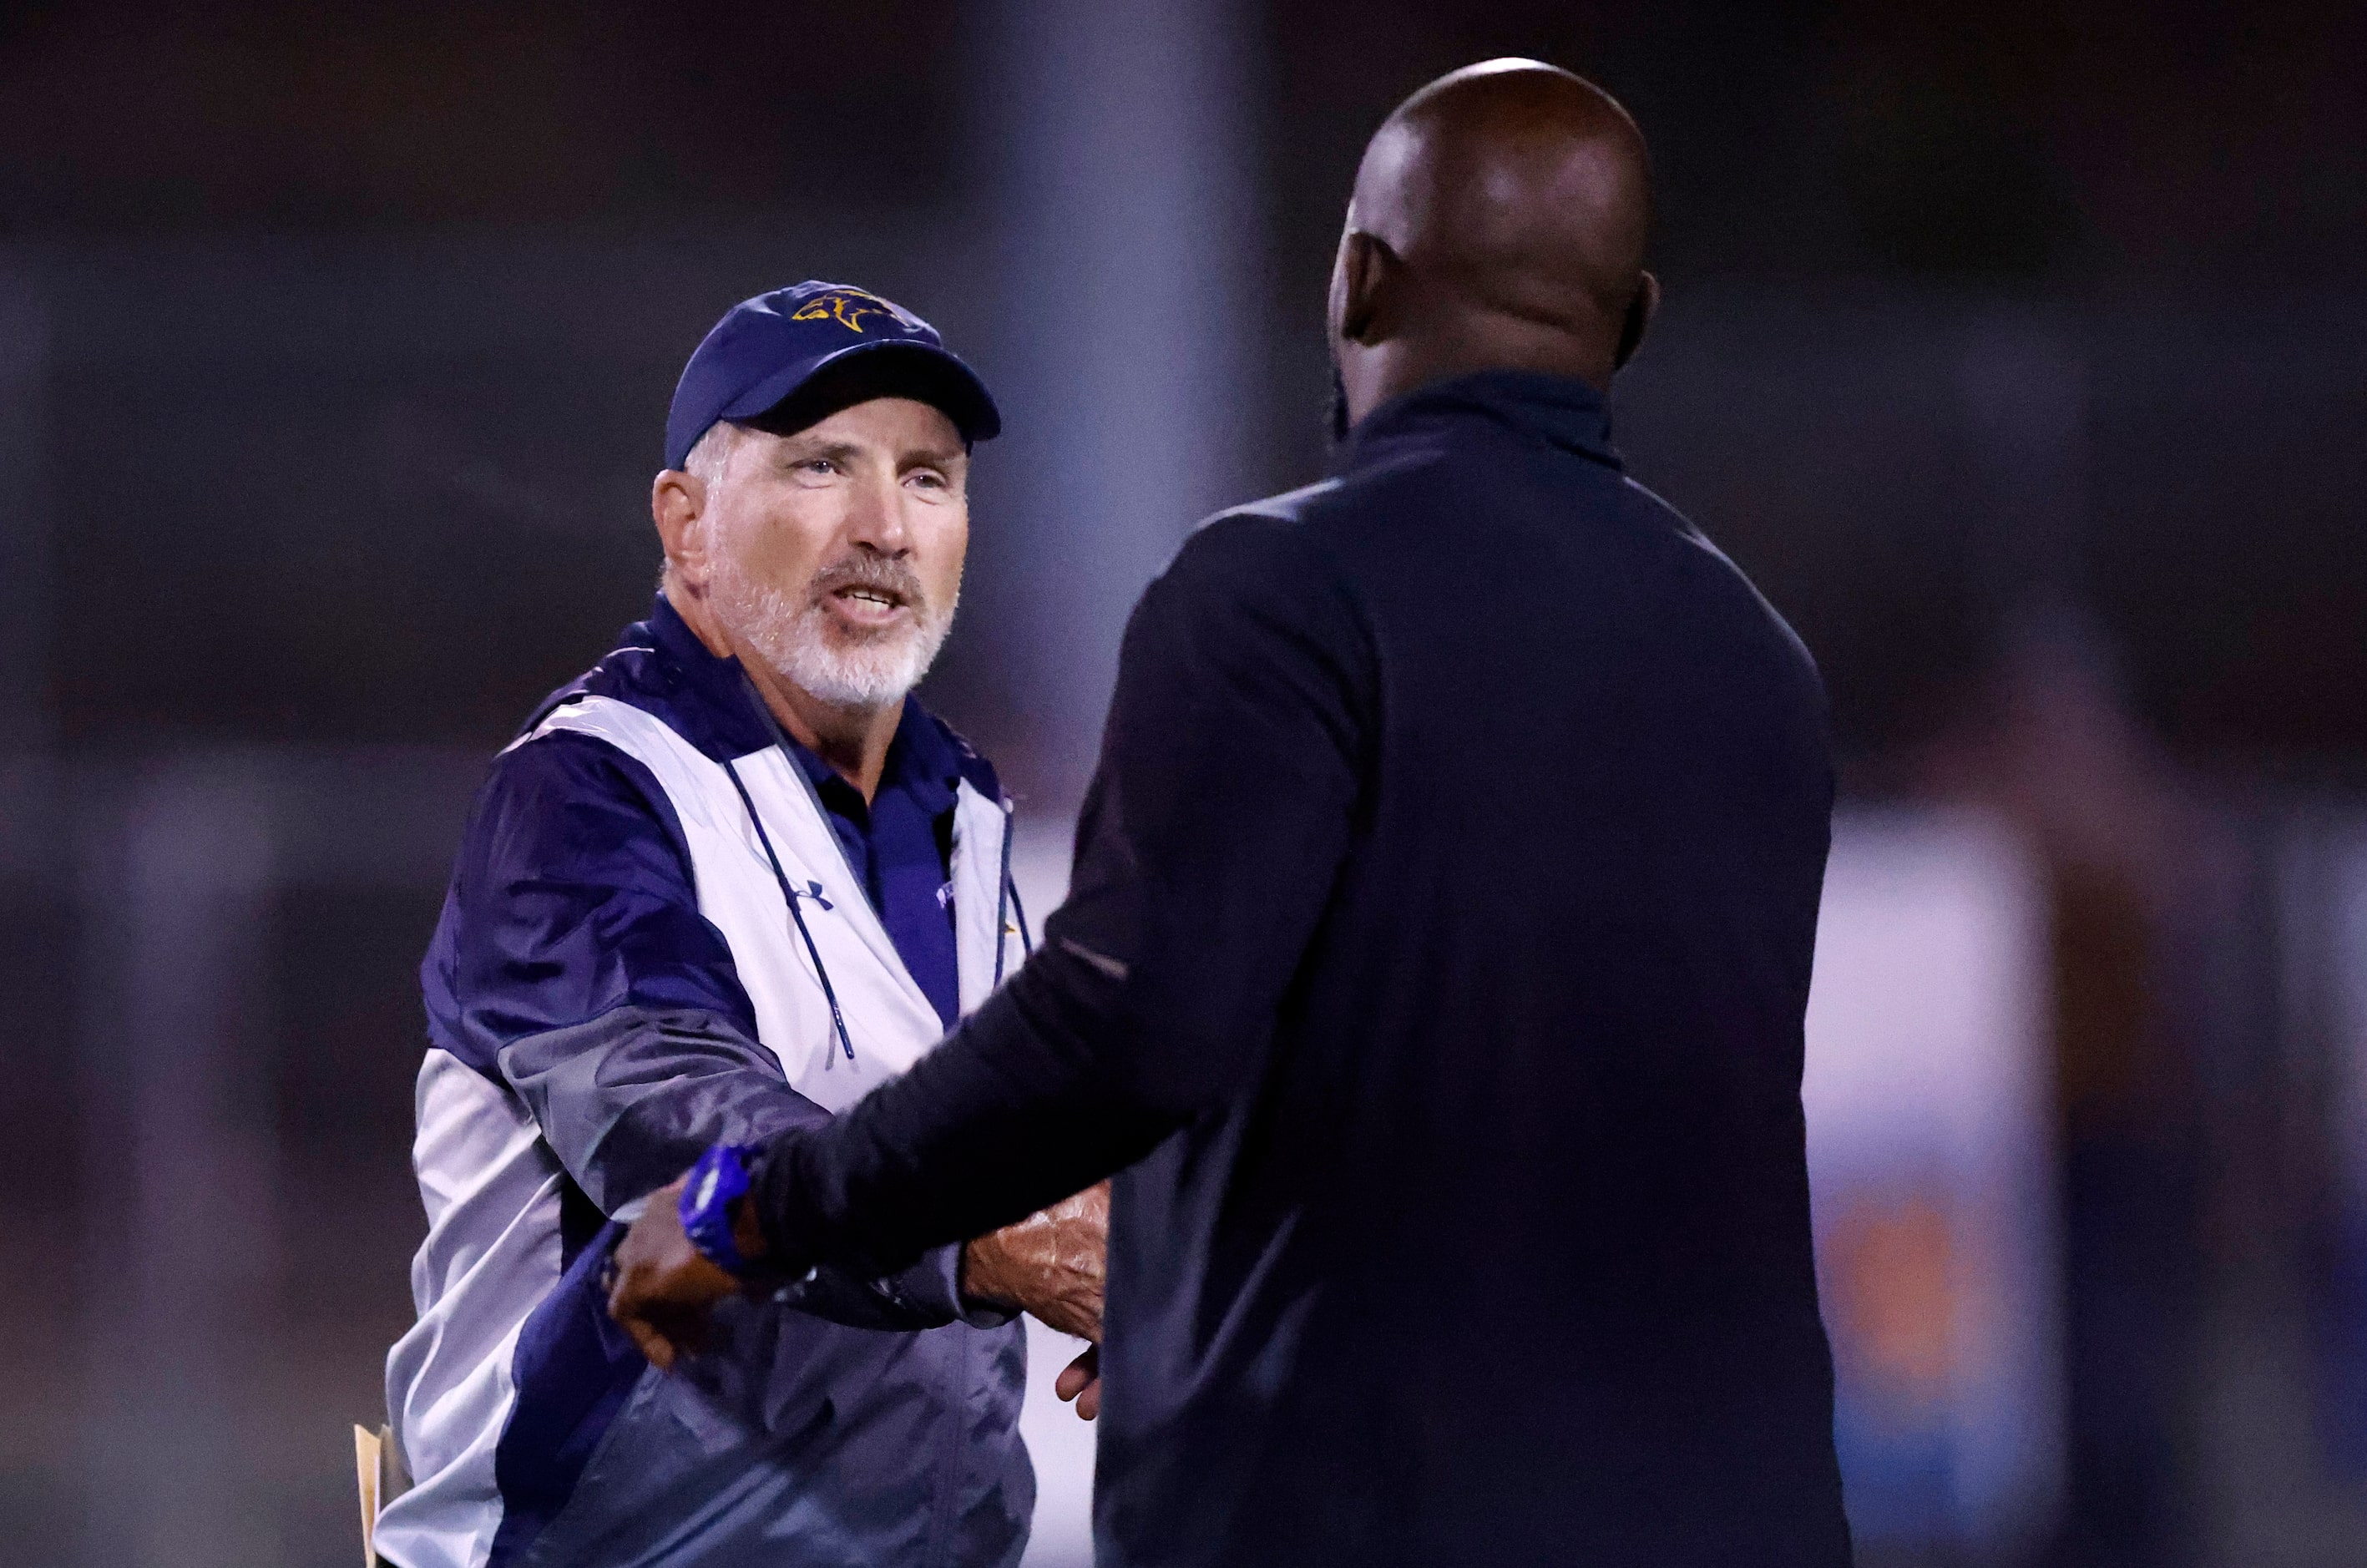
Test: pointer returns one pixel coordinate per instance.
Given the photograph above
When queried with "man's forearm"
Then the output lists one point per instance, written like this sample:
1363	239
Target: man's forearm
629	1098
1016	1110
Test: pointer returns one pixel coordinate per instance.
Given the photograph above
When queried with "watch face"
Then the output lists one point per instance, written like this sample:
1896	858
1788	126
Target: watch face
720	1176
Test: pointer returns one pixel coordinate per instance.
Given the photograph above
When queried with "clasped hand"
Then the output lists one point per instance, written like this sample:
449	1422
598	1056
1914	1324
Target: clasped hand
1050	1265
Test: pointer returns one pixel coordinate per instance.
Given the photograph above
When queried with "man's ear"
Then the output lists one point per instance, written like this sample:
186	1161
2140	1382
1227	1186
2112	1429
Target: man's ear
1637	321
1369	274
677	500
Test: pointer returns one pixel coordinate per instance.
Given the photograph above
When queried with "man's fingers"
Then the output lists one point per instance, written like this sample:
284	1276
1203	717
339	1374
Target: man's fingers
1078	1374
1080	1380
653	1344
663	1285
628	1303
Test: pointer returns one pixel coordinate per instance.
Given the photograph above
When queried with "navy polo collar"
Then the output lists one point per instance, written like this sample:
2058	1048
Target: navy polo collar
1560	411
922	762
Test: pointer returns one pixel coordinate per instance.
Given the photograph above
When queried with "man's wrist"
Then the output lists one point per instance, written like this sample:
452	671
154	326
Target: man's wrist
968	1284
982	1275
715	1212
747	1231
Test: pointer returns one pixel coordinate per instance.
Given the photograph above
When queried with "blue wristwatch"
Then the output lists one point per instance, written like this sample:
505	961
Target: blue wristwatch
717	1182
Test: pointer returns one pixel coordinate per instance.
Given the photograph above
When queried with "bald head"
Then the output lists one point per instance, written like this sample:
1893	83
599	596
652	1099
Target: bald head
1499	222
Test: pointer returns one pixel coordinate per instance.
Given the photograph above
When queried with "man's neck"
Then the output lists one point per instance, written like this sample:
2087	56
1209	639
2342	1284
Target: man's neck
854	742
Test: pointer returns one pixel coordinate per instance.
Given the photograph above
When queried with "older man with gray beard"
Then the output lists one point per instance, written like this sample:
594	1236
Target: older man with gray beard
721	886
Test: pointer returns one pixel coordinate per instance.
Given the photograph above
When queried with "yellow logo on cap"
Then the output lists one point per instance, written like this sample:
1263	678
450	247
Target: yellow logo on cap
848	307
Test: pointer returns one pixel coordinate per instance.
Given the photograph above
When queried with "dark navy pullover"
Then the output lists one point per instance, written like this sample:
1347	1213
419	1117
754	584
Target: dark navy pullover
1464	1213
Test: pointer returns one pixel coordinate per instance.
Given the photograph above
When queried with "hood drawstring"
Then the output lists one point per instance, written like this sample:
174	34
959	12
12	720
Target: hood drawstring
1003	893
1006	897
789	893
1006	890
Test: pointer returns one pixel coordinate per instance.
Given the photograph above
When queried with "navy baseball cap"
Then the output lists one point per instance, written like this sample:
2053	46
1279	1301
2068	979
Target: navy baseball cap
819	338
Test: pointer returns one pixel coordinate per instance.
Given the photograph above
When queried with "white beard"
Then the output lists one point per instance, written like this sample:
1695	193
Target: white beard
805	645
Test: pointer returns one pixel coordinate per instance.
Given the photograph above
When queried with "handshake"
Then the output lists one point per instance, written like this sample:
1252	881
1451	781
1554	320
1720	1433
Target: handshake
1051	1265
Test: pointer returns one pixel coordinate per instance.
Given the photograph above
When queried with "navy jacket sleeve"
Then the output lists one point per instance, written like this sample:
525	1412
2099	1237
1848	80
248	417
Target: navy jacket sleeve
1228	791
572	965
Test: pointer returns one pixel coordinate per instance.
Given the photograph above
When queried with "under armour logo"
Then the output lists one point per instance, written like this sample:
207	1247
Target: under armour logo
812	891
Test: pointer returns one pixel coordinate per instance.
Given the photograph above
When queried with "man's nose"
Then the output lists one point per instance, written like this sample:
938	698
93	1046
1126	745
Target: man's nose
876	518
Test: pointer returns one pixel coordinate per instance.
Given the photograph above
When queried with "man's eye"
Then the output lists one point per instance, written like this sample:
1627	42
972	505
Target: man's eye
817	465
928	479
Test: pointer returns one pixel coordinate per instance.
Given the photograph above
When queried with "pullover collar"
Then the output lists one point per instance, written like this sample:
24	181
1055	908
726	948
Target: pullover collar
1559	410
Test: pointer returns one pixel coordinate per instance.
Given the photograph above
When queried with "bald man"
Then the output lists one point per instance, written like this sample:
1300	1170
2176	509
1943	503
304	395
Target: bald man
1436	961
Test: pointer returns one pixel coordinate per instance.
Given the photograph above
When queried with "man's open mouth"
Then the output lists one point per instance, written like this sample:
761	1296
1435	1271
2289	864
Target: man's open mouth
869	597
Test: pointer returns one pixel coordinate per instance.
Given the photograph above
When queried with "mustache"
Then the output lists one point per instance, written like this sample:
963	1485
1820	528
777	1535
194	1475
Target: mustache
882	574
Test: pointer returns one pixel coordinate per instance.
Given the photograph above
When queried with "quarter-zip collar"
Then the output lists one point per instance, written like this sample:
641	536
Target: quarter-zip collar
1559	411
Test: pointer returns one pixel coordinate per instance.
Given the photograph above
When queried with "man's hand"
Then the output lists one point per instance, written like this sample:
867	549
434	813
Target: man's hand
1051	1263
1080	1380
662	1285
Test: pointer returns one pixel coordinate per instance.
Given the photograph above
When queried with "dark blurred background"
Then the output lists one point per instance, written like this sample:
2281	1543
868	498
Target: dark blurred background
2018	353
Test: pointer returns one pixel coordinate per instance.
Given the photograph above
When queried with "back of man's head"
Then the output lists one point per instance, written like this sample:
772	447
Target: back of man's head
1499	220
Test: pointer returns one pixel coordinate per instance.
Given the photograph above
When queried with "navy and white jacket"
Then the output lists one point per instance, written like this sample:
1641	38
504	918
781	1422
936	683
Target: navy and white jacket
616	982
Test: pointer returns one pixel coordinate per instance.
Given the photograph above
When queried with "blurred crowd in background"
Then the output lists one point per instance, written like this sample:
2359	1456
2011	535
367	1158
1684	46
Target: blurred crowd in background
2015	351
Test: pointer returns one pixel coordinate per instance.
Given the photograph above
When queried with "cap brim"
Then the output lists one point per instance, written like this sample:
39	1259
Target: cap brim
893	367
